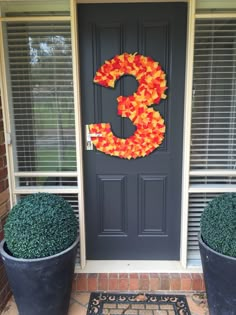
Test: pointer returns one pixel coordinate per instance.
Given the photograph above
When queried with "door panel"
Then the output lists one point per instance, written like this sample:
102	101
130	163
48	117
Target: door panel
152	190
110	188
133	207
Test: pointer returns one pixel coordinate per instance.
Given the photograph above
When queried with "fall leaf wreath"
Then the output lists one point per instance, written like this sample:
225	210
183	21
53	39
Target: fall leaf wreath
150	127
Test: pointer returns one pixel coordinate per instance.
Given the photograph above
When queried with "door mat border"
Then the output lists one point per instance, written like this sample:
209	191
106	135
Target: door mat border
98	299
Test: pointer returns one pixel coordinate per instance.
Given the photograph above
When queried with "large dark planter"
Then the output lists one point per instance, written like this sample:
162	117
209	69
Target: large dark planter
41	286
220	280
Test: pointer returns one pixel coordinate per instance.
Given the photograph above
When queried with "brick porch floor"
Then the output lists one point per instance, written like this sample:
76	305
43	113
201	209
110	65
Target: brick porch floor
138	282
79	303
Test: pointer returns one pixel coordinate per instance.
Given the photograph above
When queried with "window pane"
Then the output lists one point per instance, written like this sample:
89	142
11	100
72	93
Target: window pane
214	100
24	8
40	65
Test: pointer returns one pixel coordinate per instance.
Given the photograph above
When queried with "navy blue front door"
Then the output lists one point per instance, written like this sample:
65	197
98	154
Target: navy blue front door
133	207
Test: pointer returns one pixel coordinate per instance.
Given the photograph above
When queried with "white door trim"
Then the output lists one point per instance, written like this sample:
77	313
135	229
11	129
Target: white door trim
100	265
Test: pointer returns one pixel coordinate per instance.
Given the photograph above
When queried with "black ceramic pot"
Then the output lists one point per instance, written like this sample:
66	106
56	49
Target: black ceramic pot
220	280
41	286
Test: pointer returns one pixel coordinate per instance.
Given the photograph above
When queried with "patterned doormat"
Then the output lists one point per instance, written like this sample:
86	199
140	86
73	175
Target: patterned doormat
137	304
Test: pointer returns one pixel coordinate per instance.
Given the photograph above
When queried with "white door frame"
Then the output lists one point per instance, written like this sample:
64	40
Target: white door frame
138	266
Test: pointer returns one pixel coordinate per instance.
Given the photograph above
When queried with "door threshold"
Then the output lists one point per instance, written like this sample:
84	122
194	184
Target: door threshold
136	266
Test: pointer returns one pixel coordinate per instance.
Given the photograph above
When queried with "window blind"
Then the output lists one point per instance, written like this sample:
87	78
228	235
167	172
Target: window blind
40	67
213	126
214	111
197	202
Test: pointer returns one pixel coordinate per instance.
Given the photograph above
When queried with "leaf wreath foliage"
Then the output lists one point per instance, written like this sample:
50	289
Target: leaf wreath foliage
40	225
218	224
150	126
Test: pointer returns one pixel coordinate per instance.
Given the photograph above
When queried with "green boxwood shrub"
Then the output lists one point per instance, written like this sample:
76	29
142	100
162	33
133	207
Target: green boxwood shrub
40	225
218	224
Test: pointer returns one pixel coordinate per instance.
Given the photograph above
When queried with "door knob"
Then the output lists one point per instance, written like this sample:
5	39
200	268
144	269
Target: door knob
88	140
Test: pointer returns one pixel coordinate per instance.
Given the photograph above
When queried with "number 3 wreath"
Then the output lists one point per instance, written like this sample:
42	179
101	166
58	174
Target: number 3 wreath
150	127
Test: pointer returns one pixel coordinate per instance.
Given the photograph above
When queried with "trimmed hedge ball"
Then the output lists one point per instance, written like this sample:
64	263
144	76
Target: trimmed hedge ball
40	225
218	224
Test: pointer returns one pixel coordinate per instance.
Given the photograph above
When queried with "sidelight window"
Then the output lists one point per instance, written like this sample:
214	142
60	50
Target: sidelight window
213	132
